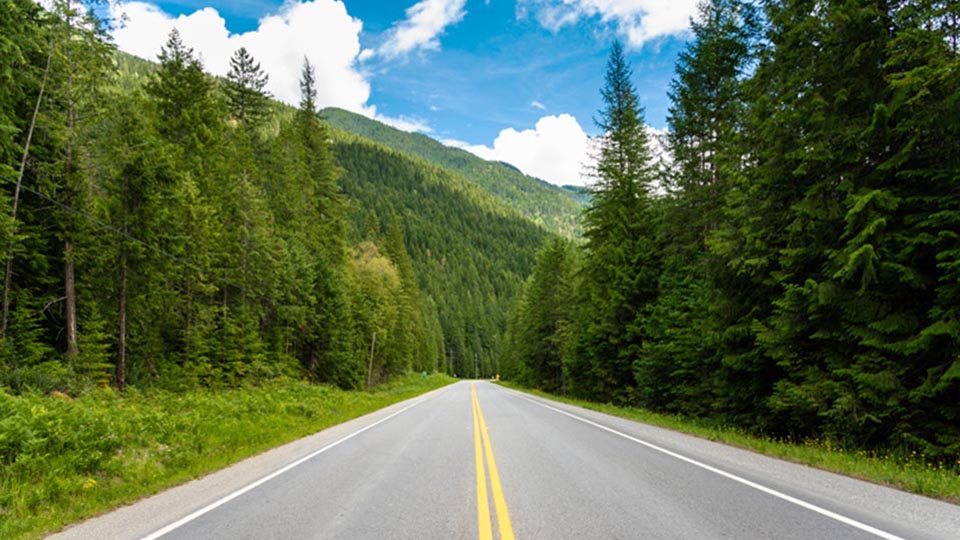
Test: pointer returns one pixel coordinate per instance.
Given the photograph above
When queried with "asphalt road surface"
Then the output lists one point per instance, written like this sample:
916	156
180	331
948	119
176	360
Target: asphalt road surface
477	461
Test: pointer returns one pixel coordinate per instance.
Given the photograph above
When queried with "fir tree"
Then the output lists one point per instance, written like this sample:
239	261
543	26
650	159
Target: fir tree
542	325
248	103
620	269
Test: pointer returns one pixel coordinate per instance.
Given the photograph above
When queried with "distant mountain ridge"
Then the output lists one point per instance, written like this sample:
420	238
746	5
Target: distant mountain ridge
556	209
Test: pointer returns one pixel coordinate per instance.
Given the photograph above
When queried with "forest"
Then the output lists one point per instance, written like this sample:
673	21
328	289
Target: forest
166	229
794	268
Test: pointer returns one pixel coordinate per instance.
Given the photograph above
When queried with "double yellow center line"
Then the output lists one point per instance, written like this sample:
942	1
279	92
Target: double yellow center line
481	444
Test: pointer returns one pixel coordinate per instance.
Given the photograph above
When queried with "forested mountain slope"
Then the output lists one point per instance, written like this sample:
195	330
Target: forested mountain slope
470	253
557	209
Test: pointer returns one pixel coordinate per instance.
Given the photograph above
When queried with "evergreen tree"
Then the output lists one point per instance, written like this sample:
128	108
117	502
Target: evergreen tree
136	178
79	67
706	113
541	329
308	88
825	224
188	114
312	212
189	119
414	340
619	276
683	351
22	46
247	101
25	58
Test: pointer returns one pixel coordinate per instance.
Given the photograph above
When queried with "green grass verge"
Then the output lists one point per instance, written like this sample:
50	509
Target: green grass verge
63	459
909	472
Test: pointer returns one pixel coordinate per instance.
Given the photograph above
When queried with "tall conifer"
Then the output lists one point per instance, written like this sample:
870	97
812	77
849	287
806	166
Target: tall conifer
619	278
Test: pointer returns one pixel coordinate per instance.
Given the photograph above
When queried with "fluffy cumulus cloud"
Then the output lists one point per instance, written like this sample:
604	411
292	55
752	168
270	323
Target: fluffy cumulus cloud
321	30
556	150
638	21
425	21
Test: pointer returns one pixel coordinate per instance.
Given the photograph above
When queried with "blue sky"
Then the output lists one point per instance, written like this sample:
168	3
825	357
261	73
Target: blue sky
516	80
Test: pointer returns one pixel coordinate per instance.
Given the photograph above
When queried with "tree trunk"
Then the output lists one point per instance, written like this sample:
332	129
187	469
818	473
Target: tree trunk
69	284
122	324
71	297
312	361
373	344
186	326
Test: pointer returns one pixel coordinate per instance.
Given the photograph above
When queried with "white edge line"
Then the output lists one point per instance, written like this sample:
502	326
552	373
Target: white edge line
735	478
227	498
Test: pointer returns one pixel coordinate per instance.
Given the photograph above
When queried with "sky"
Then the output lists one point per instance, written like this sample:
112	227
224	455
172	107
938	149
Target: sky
512	80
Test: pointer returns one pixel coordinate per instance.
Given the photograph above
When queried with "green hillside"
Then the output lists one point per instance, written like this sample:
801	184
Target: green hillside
469	251
557	209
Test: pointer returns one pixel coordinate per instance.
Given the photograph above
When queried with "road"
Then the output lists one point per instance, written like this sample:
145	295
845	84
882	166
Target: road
545	470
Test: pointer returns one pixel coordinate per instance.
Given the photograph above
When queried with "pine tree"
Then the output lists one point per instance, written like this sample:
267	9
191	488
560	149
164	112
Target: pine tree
310	209
706	113
619	277
190	121
80	64
413	328
248	103
922	119
706	119
136	177
824	224
308	88
188	114
542	325
22	45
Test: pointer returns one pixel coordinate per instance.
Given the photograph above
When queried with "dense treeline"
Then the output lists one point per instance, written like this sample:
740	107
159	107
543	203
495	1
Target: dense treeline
175	230
796	272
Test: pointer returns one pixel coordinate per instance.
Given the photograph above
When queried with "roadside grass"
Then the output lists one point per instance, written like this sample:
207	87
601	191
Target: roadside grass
906	472
63	460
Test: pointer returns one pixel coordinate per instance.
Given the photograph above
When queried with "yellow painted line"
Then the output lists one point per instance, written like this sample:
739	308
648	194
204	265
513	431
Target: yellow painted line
483	505
499	502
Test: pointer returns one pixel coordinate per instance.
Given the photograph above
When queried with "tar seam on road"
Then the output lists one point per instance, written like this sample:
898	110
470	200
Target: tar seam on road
769	491
499	502
227	498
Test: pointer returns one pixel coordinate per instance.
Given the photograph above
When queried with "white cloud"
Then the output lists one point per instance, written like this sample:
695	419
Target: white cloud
554	150
425	21
321	30
657	144
639	21
537	105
